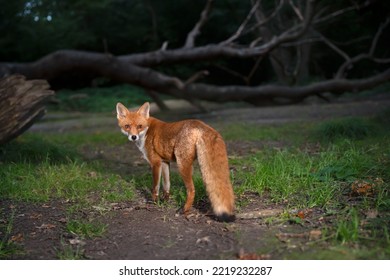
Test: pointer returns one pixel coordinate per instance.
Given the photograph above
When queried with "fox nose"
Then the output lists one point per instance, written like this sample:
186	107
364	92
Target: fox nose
133	137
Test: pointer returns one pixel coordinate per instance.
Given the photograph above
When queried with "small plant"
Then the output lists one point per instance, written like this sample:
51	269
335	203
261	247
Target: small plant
348	227
7	246
86	229
68	252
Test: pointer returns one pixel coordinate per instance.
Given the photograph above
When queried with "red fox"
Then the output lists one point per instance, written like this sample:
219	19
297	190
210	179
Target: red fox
183	142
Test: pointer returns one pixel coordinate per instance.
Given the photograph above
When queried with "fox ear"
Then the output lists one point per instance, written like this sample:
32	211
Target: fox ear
121	111
144	110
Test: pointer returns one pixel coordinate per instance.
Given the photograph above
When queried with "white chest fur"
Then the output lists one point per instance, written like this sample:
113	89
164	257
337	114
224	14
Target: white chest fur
141	144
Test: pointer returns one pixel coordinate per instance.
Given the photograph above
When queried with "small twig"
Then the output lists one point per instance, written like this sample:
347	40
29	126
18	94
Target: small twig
196	76
232	72
296	10
164	46
299	62
340	12
254	68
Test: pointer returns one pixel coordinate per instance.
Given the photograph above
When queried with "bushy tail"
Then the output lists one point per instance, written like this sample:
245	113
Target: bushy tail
213	161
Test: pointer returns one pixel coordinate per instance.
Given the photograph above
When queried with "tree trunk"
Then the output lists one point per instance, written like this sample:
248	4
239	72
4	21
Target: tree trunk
22	103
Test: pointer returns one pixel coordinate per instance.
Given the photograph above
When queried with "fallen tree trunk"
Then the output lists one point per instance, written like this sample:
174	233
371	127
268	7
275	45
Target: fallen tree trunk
22	103
141	69
286	94
122	70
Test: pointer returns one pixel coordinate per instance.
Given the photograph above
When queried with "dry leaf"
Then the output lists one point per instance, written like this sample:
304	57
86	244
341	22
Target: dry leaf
77	241
92	174
372	214
362	188
35	216
205	240
315	234
301	214
46	226
17	238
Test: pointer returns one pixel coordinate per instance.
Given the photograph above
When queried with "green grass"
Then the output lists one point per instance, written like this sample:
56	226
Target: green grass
348	128
36	169
287	175
299	176
86	229
73	180
7	247
347	229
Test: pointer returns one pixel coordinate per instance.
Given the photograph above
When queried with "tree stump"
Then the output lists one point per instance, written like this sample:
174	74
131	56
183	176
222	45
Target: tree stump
22	102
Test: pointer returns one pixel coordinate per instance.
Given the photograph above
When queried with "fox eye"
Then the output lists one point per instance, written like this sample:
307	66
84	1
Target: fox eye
139	126
127	126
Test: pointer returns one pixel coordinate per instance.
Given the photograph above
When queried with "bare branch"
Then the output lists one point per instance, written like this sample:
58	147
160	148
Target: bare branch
333	46
261	20
241	28
377	36
370	55
340	12
198	75
267	92
190	41
296	10
232	72
254	68
209	52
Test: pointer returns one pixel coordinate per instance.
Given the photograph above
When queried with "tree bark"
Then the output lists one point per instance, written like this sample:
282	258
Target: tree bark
22	103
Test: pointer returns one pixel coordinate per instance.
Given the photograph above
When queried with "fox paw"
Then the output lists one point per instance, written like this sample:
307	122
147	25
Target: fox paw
165	196
182	211
155	197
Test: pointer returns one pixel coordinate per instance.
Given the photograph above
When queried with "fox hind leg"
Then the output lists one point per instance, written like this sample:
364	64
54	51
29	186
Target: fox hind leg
166	180
185	170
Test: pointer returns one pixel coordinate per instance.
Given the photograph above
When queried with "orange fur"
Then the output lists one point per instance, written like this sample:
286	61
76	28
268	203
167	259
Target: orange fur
183	142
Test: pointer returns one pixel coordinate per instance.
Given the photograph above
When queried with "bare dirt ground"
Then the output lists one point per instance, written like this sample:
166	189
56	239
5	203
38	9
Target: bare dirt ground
141	230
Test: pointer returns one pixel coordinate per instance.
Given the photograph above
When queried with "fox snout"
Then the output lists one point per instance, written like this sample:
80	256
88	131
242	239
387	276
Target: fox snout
133	137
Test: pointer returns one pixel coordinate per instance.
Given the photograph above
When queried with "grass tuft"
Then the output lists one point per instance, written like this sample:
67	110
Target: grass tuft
349	128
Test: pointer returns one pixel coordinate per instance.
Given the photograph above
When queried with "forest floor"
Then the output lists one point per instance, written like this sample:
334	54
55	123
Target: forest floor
139	229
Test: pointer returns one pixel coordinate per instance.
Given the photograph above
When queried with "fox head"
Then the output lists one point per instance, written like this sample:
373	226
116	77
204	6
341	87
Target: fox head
133	124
